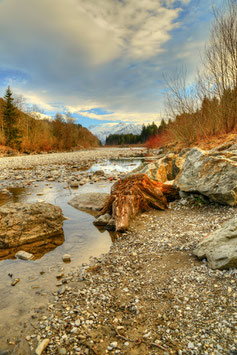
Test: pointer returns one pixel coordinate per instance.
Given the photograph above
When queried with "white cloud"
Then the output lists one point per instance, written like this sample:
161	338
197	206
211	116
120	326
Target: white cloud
137	117
85	54
96	30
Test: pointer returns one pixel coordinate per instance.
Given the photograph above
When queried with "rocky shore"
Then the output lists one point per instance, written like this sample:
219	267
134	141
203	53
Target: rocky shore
149	294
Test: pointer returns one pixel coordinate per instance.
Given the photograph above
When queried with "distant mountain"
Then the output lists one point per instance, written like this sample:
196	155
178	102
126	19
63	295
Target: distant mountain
106	129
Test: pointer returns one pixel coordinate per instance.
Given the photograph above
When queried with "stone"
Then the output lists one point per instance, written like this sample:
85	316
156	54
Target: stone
212	174
114	344
66	257
220	247
190	345
42	346
90	201
23	255
25	223
102	220
74	184
162	170
61	290
14	282
99	173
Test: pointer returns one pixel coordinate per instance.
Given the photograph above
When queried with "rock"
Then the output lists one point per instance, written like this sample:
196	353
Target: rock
114	344
212	174
23	255
24	223
220	247
66	257
99	173
111	224
190	345
162	170
61	290
102	220
90	201
14	282
74	184
42	346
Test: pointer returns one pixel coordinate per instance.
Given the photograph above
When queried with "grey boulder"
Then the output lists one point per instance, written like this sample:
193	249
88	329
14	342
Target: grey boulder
212	174
220	247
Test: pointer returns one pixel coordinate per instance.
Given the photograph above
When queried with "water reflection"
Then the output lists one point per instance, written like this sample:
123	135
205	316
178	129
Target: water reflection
38	278
124	165
38	248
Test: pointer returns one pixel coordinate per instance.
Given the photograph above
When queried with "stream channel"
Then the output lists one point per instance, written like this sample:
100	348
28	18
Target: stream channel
82	240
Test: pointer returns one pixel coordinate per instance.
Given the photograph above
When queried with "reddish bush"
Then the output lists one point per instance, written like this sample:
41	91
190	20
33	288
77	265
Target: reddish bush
157	141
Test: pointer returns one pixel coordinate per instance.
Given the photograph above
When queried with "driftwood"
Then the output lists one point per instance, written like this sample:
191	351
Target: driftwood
134	194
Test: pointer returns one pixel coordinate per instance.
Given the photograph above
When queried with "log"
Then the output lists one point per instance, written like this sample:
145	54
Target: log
134	194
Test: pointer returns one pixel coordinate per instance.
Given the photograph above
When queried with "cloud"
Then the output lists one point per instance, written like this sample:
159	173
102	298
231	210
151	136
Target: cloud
136	117
83	54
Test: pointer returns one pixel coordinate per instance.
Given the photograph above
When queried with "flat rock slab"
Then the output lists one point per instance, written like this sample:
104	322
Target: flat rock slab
220	247
25	223
90	201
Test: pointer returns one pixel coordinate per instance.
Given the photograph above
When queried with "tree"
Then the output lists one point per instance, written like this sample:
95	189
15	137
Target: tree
11	131
221	51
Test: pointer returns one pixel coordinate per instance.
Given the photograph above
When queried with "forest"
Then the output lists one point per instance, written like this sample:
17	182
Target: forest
147	132
207	108
27	133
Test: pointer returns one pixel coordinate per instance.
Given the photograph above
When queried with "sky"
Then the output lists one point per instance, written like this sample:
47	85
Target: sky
100	60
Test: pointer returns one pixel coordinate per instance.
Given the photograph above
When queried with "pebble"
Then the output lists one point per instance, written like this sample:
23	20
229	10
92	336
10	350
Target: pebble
23	255
66	257
164	288
14	282
42	346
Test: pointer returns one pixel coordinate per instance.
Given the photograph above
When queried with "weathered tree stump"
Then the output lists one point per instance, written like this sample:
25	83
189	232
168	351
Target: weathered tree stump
134	194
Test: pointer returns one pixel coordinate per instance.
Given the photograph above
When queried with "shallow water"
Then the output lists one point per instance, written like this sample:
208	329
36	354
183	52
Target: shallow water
38	277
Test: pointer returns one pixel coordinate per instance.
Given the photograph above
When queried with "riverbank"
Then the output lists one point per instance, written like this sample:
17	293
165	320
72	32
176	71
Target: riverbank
148	295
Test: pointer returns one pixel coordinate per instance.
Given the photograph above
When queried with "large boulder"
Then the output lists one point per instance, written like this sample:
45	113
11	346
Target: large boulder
24	223
163	169
89	201
220	247
213	174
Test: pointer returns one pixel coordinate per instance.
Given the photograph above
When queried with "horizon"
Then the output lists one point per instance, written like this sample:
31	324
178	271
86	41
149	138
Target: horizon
103	62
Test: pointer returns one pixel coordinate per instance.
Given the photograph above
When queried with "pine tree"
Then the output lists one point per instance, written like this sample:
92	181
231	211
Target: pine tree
9	120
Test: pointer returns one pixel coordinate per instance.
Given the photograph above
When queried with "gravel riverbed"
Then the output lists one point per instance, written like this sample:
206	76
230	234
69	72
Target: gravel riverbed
148	295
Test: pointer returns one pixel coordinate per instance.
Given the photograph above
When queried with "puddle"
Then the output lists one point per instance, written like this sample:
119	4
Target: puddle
38	277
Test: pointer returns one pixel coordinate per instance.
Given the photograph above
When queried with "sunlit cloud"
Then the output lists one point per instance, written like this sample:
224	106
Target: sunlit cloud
77	55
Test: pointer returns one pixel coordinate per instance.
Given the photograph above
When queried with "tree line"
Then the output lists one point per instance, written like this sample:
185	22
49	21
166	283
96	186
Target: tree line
148	131
25	132
208	107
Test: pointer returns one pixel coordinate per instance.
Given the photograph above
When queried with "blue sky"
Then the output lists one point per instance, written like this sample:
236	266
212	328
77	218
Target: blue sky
100	60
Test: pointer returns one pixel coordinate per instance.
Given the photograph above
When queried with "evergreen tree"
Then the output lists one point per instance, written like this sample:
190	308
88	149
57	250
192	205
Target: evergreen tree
9	120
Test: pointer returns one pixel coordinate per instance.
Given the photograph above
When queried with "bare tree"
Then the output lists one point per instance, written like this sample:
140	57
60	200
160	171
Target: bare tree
180	97
221	52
